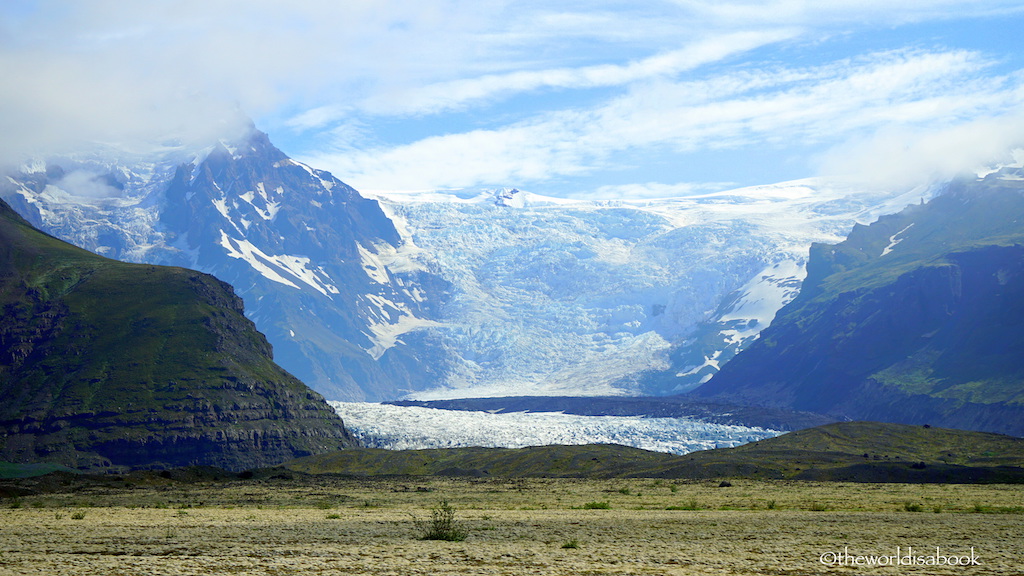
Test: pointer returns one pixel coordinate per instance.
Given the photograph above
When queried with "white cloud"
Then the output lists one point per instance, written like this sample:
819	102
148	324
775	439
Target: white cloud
908	156
81	183
842	12
646	190
457	93
818	105
120	71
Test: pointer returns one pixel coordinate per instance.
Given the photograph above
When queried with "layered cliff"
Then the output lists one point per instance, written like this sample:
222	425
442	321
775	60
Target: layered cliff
111	365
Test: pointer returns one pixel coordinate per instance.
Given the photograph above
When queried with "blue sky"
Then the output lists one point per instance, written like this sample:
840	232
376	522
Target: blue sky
596	99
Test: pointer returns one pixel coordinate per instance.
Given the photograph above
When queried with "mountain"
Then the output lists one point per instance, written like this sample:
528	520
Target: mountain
323	271
472	293
108	365
917	318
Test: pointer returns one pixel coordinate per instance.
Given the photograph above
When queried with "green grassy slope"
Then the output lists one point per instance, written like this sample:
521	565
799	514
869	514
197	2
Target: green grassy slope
595	460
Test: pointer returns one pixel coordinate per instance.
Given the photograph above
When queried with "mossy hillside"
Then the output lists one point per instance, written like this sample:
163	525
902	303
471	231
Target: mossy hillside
102	360
593	460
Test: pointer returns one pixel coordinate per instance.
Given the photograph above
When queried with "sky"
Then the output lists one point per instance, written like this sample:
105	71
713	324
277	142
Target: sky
597	99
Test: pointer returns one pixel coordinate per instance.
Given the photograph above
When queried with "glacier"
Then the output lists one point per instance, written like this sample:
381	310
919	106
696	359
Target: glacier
561	297
413	428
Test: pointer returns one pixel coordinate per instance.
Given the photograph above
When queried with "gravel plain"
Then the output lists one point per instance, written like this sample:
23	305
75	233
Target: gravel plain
515	527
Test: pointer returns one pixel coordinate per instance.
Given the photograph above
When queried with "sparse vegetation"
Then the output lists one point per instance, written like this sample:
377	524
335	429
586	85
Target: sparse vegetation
571	544
912	506
443	525
691	504
597	506
986	509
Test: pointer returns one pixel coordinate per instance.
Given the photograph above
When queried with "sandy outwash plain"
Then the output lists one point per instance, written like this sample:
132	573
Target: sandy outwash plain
333	525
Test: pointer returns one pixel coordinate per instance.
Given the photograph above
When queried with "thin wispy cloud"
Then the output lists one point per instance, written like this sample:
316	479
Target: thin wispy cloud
567	99
460	93
772	107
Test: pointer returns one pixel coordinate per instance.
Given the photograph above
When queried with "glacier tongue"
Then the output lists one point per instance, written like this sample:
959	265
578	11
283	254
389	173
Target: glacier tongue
414	428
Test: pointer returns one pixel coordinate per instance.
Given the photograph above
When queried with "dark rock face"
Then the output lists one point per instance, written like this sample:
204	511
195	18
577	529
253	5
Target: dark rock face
916	319
107	365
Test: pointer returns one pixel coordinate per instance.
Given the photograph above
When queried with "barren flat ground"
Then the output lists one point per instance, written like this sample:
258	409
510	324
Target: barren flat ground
334	525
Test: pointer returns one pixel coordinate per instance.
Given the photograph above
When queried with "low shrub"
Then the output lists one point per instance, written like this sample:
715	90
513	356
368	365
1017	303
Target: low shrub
912	507
442	525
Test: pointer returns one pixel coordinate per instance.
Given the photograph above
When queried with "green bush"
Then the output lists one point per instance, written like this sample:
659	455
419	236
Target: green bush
442	525
597	506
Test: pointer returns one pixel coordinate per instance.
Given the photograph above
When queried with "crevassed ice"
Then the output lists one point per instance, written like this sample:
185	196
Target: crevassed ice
412	428
551	296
